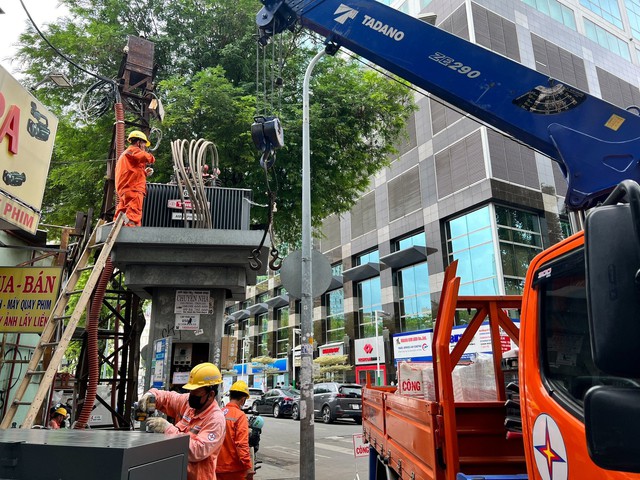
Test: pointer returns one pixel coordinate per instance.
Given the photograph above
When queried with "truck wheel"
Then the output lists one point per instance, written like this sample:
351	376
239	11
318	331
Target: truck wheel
326	414
358	420
295	413
276	411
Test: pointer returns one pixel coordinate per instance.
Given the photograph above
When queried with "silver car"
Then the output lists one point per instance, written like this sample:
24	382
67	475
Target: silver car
254	394
332	400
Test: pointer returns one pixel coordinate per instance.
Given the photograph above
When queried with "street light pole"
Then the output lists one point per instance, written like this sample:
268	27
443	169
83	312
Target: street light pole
307	440
377	313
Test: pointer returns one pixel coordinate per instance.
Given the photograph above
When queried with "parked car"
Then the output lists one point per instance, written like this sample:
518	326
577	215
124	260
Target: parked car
332	400
254	394
276	401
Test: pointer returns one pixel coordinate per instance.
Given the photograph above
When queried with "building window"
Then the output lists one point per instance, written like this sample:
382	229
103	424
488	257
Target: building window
606	39
555	10
282	333
565	226
334	323
470	240
608	10
415	298
370	298
417	240
633	14
520	241
262	321
369	257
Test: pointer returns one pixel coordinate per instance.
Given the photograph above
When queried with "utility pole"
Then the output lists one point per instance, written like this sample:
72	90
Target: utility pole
307	439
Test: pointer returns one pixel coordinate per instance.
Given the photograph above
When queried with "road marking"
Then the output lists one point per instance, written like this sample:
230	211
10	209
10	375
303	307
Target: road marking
290	451
333	448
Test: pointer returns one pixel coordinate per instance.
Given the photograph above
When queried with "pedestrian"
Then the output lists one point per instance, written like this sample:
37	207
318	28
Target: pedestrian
234	461
197	414
132	170
57	418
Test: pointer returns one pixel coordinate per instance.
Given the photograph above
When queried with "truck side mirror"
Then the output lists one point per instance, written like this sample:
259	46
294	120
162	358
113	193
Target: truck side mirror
612	419
612	253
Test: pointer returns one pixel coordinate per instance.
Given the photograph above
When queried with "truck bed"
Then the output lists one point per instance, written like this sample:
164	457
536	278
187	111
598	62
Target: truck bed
408	434
435	440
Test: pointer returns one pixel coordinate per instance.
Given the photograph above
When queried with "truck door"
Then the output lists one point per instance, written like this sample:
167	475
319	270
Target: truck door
557	367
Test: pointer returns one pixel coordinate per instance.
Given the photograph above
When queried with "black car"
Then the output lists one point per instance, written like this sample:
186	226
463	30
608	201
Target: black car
333	400
276	401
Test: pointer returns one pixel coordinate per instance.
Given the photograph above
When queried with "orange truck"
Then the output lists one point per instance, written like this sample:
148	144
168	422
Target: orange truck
572	411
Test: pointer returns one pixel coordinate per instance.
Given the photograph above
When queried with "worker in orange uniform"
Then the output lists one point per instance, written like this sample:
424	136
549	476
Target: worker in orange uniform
57	417
132	170
197	414
234	461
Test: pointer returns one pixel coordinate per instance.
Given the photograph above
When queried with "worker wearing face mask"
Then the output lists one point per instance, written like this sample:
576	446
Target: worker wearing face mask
196	414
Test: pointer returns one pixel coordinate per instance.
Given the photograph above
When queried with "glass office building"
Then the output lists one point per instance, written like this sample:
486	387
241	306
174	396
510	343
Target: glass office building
458	190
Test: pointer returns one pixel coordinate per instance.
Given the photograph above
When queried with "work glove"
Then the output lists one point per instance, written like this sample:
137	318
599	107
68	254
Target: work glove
148	171
143	402
157	424
249	475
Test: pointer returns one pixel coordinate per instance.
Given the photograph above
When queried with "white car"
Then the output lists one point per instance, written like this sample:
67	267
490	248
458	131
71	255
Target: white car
254	394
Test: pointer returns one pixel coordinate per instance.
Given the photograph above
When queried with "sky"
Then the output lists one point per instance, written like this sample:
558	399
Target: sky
13	23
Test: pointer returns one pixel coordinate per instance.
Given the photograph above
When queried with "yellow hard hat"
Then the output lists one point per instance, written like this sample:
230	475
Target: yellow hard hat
203	375
140	135
62	411
240	386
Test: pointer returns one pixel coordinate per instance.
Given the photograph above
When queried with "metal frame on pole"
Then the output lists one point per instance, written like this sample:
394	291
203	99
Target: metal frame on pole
307	442
296	331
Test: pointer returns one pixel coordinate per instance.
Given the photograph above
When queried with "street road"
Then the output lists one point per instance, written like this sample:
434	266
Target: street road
280	451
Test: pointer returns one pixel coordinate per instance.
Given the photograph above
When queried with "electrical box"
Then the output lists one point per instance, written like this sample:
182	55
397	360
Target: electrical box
182	354
75	455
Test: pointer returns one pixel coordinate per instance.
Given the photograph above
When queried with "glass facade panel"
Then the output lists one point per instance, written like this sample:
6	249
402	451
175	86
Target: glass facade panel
470	241
555	10
263	323
633	14
415	298
417	240
282	339
369	257
334	323
609	10
370	298
520	241
606	39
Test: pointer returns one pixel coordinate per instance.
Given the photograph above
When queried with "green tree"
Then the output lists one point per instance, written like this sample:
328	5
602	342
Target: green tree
206	53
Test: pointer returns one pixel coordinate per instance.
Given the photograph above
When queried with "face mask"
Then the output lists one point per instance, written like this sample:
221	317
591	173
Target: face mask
197	402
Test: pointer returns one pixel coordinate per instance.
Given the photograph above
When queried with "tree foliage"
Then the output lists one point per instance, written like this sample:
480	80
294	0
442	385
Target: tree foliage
206	53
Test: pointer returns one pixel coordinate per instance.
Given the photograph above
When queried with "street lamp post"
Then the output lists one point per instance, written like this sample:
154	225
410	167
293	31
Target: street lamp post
376	314
296	331
245	341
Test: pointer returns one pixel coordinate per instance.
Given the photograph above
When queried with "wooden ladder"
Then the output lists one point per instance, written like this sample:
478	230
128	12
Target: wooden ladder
58	315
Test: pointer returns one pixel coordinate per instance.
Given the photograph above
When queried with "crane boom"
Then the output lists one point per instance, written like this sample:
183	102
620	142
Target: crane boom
596	144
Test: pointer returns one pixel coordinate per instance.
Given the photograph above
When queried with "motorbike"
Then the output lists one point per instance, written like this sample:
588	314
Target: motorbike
256	423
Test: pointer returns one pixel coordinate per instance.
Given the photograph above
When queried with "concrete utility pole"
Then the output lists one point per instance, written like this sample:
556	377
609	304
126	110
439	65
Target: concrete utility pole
307	445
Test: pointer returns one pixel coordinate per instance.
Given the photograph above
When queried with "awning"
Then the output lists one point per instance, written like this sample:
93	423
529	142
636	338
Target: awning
240	315
279	301
361	272
407	256
336	282
229	320
258	308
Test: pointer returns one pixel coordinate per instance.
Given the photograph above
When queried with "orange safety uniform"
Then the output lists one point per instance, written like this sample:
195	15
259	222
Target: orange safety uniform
234	460
131	183
53	425
205	429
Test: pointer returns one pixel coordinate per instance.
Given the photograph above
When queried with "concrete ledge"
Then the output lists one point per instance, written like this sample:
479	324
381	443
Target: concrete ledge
153	257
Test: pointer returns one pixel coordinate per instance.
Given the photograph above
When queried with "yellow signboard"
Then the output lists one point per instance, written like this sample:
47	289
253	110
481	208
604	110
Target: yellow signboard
27	133
27	297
